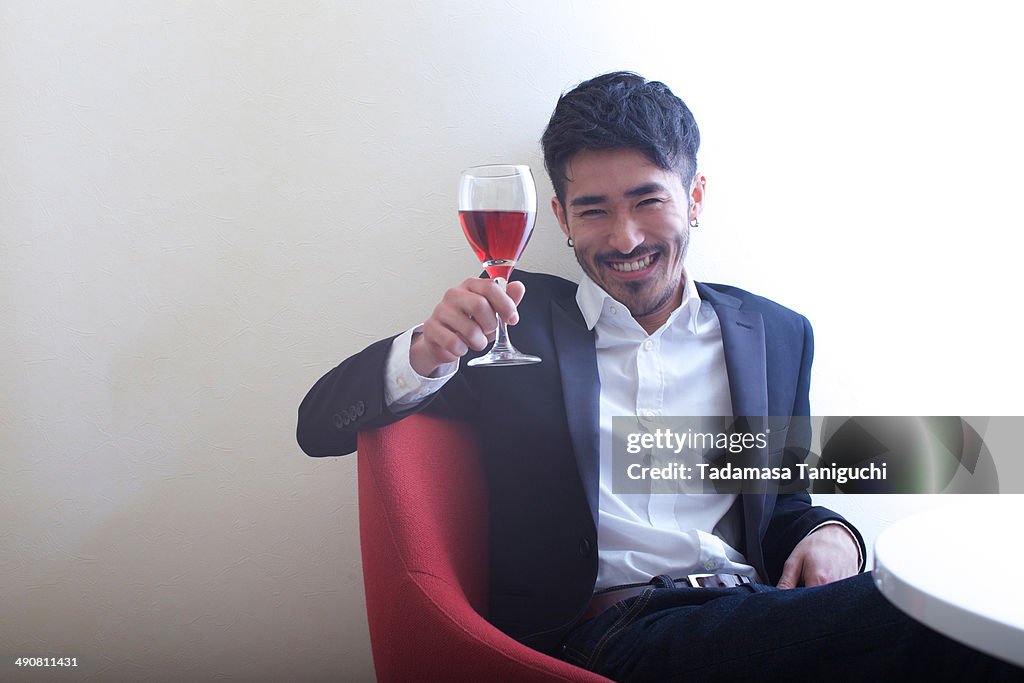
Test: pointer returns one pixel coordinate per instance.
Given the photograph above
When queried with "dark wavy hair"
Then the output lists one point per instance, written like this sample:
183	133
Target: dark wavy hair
621	110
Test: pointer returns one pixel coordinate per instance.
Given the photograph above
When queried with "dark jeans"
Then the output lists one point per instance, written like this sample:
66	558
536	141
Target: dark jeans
844	631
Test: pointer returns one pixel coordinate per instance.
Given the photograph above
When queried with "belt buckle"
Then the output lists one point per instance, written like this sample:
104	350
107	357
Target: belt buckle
716	580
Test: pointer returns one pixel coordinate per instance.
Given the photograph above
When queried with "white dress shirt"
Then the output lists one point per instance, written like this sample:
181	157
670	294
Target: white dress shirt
679	370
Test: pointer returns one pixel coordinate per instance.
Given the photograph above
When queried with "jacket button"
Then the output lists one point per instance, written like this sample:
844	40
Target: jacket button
585	547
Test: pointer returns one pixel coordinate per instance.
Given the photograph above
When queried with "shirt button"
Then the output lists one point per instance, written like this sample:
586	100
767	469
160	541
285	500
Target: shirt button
648	345
613	310
401	383
709	565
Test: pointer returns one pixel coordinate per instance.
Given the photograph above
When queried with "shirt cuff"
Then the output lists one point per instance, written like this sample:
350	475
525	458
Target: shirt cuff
403	386
853	537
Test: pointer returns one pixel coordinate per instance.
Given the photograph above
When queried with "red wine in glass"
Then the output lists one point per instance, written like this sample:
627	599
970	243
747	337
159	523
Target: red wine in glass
497	207
497	237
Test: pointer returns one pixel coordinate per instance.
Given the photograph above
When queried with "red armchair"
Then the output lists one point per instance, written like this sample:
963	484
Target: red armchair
423	529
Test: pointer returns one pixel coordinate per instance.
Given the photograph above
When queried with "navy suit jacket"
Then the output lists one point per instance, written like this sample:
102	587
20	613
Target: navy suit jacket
539	430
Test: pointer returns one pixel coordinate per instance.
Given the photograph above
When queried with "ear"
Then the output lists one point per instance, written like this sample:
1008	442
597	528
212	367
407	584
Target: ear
559	210
697	196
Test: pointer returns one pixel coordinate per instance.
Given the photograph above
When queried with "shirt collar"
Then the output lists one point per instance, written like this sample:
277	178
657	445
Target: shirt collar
596	304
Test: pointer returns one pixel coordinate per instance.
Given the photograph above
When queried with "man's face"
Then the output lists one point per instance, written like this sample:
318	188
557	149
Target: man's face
630	222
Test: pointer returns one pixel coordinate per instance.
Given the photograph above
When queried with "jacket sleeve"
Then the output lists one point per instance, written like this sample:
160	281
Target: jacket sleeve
345	400
351	398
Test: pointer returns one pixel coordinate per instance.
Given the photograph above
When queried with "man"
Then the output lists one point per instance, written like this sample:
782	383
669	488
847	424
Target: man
579	569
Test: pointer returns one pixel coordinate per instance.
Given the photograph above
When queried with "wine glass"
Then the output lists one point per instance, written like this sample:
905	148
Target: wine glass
497	208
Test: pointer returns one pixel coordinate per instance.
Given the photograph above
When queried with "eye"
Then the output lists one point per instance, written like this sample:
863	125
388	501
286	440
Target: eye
651	201
590	213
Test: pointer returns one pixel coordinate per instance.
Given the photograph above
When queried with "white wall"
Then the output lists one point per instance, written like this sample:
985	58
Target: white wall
205	206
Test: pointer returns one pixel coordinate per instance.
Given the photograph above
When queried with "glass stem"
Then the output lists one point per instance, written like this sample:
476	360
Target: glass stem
501	342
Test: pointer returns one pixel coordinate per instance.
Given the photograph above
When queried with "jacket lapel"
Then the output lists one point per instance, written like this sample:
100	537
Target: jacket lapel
746	365
745	362
581	388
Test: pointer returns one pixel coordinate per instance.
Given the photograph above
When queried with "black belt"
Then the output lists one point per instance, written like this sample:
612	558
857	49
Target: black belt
604	599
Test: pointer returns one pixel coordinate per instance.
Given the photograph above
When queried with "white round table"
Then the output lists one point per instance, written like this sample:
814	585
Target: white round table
959	569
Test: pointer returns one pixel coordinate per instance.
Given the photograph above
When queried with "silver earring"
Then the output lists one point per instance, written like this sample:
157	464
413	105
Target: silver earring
569	243
694	223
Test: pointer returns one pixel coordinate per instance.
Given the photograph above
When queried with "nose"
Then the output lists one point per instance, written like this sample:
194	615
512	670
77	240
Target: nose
625	235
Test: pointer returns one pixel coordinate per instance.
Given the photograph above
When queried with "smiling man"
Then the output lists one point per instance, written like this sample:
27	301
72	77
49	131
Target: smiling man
630	228
579	569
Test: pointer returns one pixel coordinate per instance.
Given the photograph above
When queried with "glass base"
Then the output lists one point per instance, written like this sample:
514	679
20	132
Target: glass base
510	357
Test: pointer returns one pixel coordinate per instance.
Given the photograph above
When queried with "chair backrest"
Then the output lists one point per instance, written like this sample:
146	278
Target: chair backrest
422	512
427	471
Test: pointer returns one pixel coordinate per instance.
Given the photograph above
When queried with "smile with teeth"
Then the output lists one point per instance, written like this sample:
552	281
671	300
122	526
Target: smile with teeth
630	266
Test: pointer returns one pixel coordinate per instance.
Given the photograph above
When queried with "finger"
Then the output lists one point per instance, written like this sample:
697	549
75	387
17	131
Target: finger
834	571
466	296
790	573
515	290
472	322
445	344
819	576
479	310
500	301
480	285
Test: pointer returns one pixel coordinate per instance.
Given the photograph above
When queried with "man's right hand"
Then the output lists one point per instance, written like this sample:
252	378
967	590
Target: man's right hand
463	320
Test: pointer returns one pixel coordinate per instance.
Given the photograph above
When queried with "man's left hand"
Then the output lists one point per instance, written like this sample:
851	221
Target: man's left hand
825	555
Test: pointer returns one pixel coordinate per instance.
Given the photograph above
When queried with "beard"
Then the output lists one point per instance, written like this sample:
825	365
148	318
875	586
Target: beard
653	293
